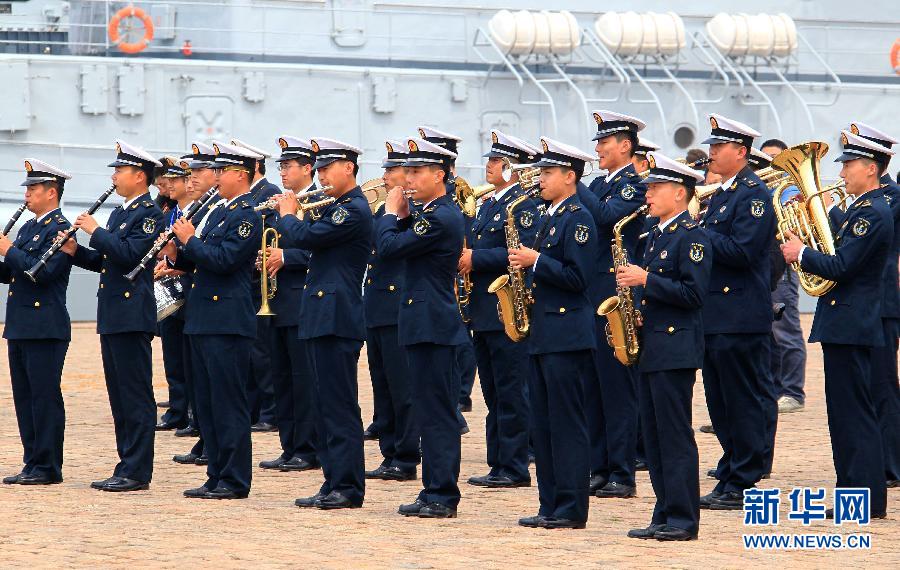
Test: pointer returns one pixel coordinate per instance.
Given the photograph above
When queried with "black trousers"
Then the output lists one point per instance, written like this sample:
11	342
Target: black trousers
221	365
665	403
35	368
559	432
127	365
334	360
171	332
886	397
295	392
466	364
398	437
260	389
435	394
612	413
855	434
735	370
503	370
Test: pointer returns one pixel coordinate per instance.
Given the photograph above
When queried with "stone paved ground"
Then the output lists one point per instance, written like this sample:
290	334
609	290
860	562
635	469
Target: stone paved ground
73	525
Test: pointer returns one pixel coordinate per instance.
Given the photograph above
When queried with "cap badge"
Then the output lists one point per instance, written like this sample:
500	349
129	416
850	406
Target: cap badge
844	140
314	145
713	122
422	133
195	149
389	147
597	118
544	145
413	147
651	161
854	129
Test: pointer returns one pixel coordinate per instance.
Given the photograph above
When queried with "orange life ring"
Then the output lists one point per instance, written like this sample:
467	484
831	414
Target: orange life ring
128	14
895	56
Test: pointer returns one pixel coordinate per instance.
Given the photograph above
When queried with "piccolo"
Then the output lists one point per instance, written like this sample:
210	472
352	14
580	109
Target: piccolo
15	218
168	236
42	262
272	203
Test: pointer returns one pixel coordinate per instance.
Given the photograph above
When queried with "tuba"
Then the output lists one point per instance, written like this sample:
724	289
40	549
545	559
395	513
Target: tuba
513	297
619	310
806	218
267	285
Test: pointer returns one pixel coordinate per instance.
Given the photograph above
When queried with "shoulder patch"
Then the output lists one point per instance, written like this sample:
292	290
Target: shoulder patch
421	227
627	192
696	252
526	220
757	208
148	225
339	216
861	227
582	234
244	229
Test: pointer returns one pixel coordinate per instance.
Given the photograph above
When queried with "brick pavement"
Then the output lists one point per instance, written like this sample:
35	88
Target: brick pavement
72	525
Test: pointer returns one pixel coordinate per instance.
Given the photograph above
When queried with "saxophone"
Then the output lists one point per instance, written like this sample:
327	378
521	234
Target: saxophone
621	330
513	298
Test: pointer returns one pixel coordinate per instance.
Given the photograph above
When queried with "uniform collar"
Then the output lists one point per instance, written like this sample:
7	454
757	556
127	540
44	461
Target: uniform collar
612	174
133	200
553	209
499	194
233	200
663	225
40	218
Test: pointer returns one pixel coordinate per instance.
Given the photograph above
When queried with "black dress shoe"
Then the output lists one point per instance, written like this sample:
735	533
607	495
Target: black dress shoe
536	521
893	483
711	473
412	509
35	479
479	481
298	464
197	493
503	482
550	522
166	426
272	463
263	427
640	465
163	404
707	500
13	479
224	493
189	431
437	511
393	473
371	434
307	502
707	429
465	408
674	533
596	483
335	500
202	460
729	501
376	473
614	490
124	485
186	459
103	483
645	533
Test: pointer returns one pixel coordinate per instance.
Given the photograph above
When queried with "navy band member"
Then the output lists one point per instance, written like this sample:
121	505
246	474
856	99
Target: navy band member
430	327
398	436
38	330
221	323
331	317
172	180
674	280
885	387
126	313
640	161
611	403
465	353
848	318
561	340
502	363
292	374
261	390
737	314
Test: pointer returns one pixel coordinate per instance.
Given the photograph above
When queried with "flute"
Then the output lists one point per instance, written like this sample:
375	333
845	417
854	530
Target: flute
168	236
42	262
15	218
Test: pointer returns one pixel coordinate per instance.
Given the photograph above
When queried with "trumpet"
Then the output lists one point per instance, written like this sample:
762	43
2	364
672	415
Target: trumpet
375	191
57	245
529	174
272	203
15	218
267	286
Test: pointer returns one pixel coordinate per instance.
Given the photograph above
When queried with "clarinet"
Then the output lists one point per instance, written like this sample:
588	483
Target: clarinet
42	262
168	236
15	218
